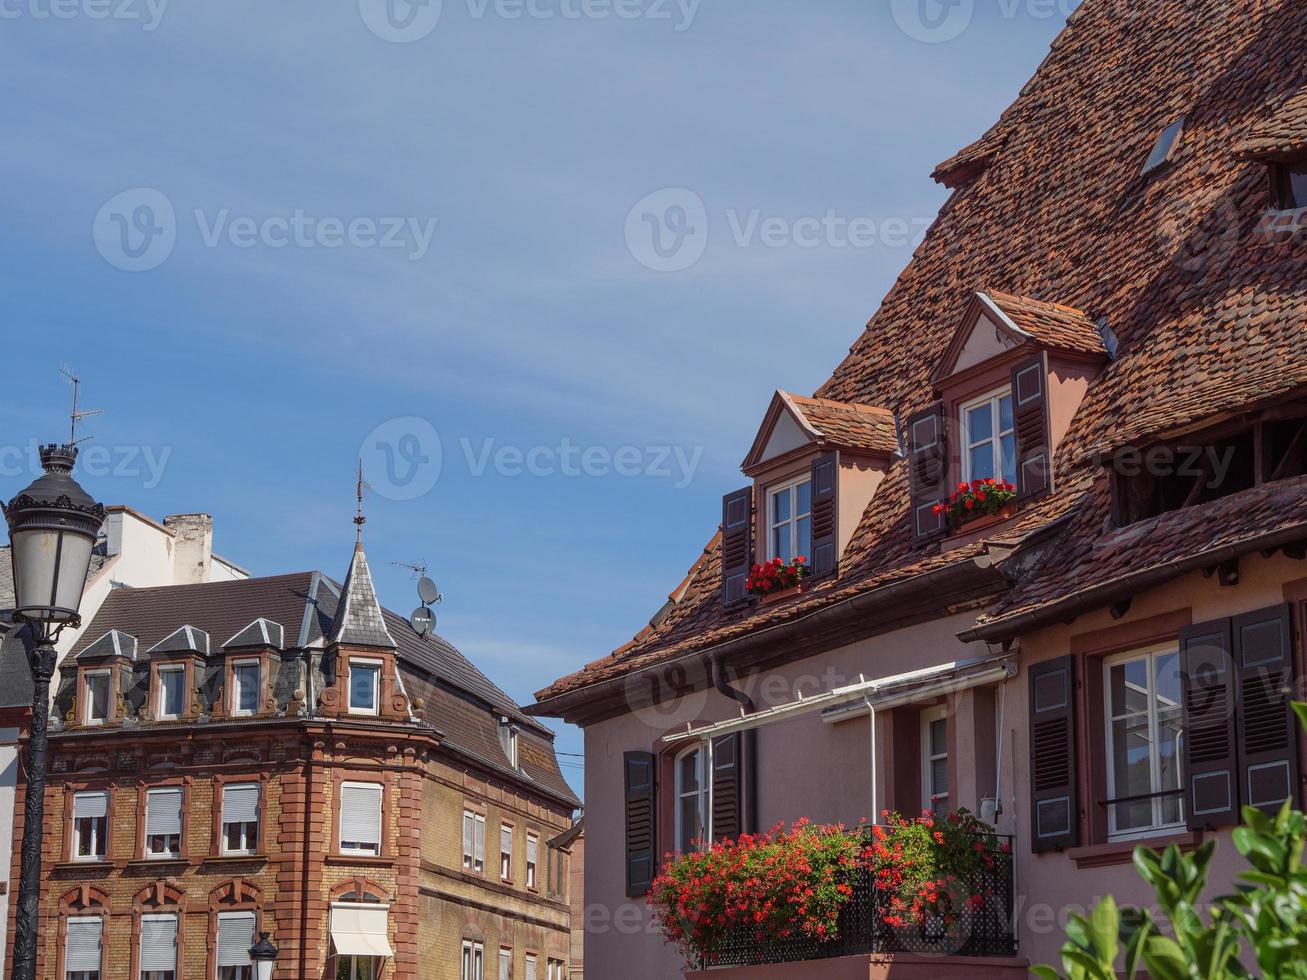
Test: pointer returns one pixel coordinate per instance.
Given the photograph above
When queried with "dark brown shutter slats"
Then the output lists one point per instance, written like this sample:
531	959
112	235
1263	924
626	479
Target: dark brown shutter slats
927	439
1054	790
825	480
1030	418
727	797
1210	755
641	826
737	543
1268	733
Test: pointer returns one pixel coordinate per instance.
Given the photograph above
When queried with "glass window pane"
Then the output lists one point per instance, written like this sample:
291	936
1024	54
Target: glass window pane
1005	413
1167	670
1008	450
804	491
982	462
98	690
780	546
780	506
980	423
804	544
939	737
1128	687
938	776
173	693
690	773
247	687
363	687
689	822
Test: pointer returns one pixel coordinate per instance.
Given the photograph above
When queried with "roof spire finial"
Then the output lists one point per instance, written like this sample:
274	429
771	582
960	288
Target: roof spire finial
359	519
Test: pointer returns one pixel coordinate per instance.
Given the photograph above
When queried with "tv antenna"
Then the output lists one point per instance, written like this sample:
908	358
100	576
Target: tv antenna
76	415
418	568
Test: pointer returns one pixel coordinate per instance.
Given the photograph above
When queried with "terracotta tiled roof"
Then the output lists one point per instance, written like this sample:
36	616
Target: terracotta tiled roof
1209	315
969	162
849	425
1087	559
1282	134
1052	326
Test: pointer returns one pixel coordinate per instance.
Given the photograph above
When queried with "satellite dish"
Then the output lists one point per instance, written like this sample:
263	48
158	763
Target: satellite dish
423	621
427	591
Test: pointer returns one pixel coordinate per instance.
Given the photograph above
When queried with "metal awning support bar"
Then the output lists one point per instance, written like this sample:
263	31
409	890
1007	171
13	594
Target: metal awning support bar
877	695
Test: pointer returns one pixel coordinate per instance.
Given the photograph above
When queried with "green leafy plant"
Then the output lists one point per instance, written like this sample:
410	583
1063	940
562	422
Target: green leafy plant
1264	921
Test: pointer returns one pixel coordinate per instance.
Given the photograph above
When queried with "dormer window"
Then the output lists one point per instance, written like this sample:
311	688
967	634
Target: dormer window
96	689
364	686
789	519
245	687
1289	185
989	438
171	692
508	738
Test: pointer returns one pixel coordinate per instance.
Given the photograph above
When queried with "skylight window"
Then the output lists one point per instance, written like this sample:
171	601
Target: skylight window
1165	147
1290	184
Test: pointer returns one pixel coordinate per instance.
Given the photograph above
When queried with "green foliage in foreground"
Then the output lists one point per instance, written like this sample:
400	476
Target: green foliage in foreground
1264	922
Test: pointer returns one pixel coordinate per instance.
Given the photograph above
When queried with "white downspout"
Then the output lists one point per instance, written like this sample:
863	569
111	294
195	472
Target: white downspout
871	727
708	775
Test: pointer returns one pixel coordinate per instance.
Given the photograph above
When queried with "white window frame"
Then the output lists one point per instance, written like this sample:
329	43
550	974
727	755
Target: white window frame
505	963
245	971
474	961
87	717
506	856
929	799
533	864
84	974
701	793
476	860
99	840
164	855
237	687
160	974
374	667
366	848
161	704
792	522
248	836
1158	828
358	967
532	967
992	398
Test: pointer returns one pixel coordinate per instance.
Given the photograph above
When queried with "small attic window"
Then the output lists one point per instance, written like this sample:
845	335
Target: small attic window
1165	147
1289	185
508	739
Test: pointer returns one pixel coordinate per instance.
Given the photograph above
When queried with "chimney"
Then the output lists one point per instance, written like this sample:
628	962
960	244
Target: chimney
192	549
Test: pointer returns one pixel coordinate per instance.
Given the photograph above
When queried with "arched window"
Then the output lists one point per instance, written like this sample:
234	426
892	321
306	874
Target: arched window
82	926
691	799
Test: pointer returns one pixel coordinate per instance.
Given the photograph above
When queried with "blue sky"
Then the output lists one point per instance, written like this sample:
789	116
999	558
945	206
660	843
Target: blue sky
272	237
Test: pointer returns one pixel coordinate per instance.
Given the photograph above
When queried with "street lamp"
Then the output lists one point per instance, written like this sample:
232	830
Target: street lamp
53	525
263	953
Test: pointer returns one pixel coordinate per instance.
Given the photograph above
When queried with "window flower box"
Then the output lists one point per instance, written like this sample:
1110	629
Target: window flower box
777	579
979	504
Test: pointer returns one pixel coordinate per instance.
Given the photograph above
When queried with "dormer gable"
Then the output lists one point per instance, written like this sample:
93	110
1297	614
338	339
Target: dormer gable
795	424
114	645
185	639
260	633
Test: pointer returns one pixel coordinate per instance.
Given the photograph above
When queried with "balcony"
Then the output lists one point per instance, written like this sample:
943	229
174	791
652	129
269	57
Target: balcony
978	942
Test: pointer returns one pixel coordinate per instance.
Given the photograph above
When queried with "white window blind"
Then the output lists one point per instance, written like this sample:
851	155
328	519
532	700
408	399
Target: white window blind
235	937
92	805
360	813
158	943
505	964
469	823
480	841
163	812
82	948
530	968
240	803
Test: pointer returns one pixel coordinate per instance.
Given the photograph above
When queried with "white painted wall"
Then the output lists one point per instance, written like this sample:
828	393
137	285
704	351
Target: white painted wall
8	782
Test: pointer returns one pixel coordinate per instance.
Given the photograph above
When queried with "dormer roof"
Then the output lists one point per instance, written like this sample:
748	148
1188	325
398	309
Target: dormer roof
995	322
1281	136
358	620
260	633
185	639
795	422
114	643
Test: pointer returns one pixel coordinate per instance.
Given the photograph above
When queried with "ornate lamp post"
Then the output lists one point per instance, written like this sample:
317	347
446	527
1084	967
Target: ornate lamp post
53	525
264	955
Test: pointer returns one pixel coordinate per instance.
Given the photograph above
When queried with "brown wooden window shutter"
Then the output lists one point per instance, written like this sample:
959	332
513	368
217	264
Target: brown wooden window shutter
641	827
726	788
928	469
1054	789
1268	731
1030	417
1210	755
737	543
825	481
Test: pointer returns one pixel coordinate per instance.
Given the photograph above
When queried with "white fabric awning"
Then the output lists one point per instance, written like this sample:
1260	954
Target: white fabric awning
360	930
881	694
